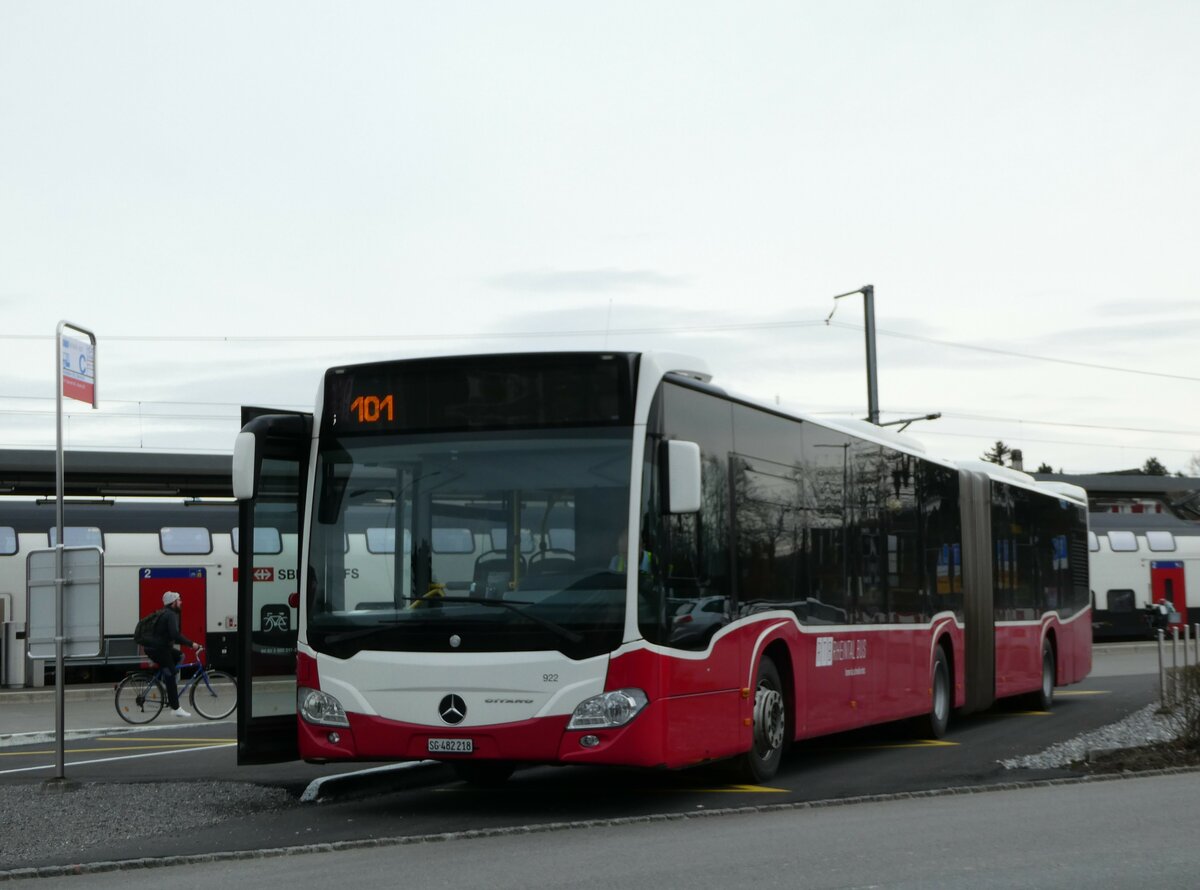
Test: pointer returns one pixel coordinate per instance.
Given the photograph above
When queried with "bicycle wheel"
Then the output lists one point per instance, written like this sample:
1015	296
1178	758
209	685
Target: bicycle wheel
140	697
214	695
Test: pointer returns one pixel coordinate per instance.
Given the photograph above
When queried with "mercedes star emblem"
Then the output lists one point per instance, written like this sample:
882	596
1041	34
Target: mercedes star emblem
452	709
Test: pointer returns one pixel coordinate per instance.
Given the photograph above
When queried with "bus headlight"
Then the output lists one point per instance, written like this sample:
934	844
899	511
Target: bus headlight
610	709
320	707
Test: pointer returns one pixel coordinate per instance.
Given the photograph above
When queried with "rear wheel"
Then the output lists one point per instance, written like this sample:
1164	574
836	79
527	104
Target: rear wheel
484	773
1043	699
140	697
934	724
761	762
217	698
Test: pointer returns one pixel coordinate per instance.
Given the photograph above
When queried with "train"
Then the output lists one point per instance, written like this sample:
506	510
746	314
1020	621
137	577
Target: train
1144	552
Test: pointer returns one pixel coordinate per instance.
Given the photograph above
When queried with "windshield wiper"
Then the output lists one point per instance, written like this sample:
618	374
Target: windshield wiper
513	606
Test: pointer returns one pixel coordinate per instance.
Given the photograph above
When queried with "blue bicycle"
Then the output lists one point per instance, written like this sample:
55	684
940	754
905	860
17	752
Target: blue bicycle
142	695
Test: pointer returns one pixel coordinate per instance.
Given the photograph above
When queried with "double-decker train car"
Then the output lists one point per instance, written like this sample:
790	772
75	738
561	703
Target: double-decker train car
1144	545
162	522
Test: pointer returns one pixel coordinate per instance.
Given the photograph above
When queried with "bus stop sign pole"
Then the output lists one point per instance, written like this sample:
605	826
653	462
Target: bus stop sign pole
76	378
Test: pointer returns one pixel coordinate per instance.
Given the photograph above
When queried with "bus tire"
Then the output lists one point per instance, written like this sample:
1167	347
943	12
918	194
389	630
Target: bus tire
484	773
761	762
1043	698
934	724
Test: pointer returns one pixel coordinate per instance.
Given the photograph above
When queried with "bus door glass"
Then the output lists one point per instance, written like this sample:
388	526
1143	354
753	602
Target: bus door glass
269	545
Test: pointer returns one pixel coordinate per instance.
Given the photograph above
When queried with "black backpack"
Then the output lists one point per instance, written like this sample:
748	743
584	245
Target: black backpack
143	632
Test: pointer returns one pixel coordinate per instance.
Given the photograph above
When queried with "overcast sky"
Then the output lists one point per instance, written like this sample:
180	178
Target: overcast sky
234	196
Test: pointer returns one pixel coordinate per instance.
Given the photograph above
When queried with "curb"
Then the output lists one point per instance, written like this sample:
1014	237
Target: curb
54	871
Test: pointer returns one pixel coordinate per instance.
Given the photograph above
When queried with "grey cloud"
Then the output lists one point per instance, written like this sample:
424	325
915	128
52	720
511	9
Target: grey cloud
1135	306
586	280
1122	337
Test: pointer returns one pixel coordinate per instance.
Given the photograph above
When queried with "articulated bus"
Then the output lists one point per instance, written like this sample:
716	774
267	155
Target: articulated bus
604	558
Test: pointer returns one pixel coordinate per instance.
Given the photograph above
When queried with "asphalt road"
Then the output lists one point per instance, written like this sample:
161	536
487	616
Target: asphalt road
1127	833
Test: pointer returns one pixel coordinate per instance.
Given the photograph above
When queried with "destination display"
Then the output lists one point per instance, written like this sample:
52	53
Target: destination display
487	392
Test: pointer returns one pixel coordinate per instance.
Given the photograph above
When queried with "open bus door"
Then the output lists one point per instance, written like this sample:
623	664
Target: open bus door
270	470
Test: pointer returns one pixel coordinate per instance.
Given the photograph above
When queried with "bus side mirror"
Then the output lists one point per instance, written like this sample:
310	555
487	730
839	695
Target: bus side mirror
683	477
244	466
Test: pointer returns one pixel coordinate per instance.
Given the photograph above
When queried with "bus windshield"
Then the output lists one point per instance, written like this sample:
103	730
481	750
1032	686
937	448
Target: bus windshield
469	542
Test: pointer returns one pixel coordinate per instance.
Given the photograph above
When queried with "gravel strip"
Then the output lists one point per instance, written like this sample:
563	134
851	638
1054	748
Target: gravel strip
1142	727
38	822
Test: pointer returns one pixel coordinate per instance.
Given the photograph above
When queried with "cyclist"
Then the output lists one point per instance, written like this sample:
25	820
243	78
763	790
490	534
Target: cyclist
163	648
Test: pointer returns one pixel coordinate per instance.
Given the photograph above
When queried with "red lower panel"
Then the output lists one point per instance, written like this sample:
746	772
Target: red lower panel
701	706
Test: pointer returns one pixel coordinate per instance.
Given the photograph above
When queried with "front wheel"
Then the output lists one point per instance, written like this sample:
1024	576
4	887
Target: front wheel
214	696
761	762
934	724
140	697
1043	699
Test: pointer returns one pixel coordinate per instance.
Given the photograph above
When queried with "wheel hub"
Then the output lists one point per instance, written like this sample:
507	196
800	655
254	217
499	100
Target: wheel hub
769	721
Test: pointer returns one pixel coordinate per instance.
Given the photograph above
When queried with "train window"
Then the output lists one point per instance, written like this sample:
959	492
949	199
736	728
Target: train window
1161	542
1093	543
8	540
383	540
78	536
1122	542
266	540
193	540
453	540
1121	601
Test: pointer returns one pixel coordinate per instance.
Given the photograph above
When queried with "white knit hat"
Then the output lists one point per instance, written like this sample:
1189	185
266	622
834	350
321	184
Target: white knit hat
169	597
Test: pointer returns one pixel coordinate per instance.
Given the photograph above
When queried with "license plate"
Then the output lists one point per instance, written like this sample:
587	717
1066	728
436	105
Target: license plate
451	746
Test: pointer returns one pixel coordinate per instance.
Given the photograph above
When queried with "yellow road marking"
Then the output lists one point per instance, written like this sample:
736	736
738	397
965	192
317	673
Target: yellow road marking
731	789
1024	714
174	738
721	789
147	747
915	743
1082	692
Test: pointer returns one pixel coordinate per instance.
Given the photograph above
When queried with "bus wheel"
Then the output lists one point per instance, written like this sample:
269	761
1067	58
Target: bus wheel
1043	699
484	773
761	762
933	725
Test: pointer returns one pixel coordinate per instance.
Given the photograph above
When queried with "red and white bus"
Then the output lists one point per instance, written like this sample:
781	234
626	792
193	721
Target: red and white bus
603	558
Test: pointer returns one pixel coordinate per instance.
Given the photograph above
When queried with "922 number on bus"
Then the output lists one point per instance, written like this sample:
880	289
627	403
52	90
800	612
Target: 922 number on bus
372	409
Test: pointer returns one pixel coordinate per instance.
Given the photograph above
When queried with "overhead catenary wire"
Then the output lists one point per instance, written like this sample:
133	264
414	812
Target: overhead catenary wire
609	332
675	329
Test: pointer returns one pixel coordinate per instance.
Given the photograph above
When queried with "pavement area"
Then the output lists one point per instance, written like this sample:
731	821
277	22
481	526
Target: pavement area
28	717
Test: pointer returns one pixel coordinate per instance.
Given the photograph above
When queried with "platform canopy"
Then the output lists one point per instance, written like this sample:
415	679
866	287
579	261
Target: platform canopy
117	474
